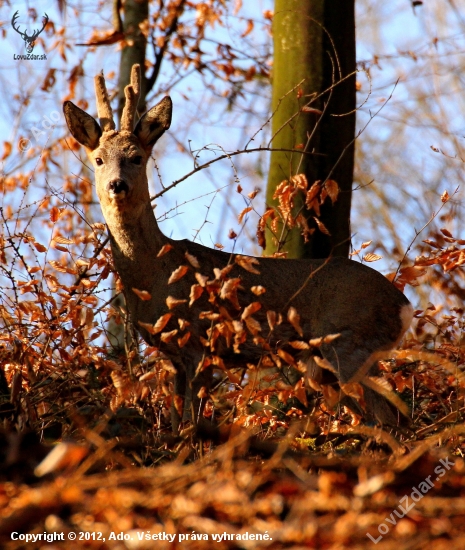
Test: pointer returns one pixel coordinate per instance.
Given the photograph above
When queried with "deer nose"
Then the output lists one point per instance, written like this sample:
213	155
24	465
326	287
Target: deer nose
118	187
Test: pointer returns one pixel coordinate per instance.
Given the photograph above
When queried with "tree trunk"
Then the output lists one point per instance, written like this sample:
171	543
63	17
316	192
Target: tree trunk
314	57
134	13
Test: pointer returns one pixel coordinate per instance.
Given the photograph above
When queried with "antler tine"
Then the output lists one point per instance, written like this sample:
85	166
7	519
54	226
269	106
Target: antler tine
104	111
132	93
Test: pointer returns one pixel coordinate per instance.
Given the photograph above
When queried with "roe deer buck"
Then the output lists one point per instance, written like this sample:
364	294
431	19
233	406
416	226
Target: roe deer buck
335	296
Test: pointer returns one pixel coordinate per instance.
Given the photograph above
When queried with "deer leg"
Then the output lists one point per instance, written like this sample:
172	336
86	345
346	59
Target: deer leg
177	404
348	357
195	403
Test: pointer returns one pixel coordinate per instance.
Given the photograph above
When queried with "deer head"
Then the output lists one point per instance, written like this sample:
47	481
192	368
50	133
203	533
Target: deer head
120	157
28	40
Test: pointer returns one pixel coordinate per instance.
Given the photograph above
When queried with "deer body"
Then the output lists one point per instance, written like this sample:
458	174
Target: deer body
336	296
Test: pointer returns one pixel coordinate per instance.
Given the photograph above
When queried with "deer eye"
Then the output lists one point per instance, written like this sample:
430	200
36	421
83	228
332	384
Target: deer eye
98	161
137	160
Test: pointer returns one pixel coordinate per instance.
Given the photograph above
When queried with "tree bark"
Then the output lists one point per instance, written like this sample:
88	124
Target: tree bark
314	58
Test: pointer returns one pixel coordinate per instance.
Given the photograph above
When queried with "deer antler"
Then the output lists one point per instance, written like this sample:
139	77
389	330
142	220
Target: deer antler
104	111
132	93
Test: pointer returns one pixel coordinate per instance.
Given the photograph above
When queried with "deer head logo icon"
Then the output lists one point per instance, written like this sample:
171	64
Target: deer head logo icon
29	41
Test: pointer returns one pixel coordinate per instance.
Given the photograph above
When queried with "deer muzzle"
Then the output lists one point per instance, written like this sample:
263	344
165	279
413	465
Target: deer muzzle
117	189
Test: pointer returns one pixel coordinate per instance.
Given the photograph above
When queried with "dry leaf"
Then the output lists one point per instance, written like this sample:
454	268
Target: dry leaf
253	325
164	249
184	339
271	318
173	302
258	290
370	257
192	260
201	279
142	294
62	240
324	364
39	247
158	326
248	29
317	342
294	318
299	344
250	310
210	315
168	336
243	213
446	232
178	274
332	188
321	226
196	292
229	291
287	357
247	262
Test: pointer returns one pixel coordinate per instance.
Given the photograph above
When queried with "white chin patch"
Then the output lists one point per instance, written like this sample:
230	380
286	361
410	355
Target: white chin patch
118	197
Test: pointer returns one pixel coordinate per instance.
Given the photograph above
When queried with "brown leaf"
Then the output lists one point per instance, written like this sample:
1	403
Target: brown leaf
294	318
300	181
184	339
192	260
300	392
446	232
324	364
221	274
63	240
158	326
229	291
321	226
243	213
271	317
39	247
201	279
168	336
142	294
7	148
253	325
210	315
173	302
258	290
164	249
298	344
54	214
445	196
183	324
287	357
248	29
246	262
253	194
250	310
370	257
332	188
366	244
196	292
317	342
178	274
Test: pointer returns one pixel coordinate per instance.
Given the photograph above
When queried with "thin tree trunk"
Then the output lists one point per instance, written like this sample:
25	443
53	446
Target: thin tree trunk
314	57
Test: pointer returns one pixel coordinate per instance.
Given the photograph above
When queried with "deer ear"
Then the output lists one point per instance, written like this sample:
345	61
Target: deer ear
82	126
154	123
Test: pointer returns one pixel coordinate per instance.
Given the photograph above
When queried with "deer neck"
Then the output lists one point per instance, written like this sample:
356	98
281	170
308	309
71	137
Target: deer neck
136	241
